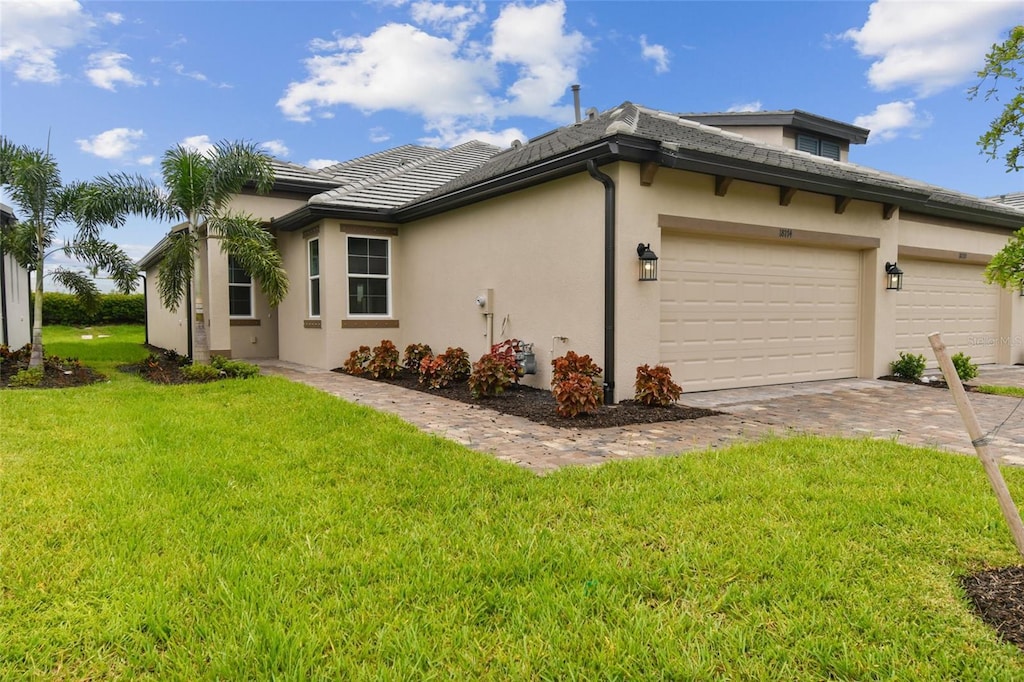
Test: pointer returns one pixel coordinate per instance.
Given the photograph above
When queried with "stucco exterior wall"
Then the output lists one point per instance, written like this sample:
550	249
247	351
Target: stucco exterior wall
166	329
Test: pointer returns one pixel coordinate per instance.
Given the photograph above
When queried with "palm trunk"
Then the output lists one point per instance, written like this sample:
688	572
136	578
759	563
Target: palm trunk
36	358
201	345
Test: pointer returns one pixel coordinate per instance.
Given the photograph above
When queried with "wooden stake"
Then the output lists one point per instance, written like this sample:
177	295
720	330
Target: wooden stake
980	442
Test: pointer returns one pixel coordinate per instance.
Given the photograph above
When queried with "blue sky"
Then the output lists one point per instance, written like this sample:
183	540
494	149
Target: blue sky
115	84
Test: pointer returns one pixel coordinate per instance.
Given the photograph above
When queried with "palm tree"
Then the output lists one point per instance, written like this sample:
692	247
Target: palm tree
199	188
32	178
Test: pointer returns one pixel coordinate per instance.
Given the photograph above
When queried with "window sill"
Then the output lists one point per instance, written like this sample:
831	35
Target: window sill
245	322
311	324
369	324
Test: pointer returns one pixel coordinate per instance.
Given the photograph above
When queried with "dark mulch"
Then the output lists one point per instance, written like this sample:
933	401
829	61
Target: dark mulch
936	383
539	406
161	367
57	372
998	598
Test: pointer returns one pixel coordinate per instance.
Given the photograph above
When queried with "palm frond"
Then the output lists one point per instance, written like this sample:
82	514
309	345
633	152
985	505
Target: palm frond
186	174
19	240
243	238
80	285
234	164
176	269
109	199
107	256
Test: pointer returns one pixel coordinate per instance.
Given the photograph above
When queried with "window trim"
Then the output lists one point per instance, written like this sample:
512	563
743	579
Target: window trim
386	278
310	277
252	294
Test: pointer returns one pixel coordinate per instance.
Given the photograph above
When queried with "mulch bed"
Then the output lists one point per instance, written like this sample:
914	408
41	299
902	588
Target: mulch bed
539	406
57	372
161	367
937	383
998	598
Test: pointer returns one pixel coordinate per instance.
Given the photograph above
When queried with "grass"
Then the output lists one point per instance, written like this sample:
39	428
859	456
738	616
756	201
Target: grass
1014	391
256	529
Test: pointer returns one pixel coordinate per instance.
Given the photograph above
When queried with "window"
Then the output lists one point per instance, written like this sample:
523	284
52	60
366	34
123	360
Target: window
369	280
816	146
239	290
313	249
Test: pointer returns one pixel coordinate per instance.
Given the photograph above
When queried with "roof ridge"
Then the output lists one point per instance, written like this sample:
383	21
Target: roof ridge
334	167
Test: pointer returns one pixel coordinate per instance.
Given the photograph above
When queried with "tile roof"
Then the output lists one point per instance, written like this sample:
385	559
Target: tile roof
293	172
401	175
1015	199
681	137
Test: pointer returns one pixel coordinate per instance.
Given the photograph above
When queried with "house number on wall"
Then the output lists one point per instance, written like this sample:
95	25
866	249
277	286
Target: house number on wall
785	233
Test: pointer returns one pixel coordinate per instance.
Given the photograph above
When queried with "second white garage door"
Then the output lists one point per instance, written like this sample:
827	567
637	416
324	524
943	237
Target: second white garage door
742	313
951	298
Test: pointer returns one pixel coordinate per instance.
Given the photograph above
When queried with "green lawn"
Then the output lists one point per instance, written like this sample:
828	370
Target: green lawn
256	529
1014	391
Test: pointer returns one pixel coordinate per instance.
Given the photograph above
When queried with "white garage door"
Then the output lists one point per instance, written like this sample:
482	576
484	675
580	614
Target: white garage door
951	298
742	313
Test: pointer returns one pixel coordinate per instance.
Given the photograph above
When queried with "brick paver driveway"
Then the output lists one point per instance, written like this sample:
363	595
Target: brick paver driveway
915	415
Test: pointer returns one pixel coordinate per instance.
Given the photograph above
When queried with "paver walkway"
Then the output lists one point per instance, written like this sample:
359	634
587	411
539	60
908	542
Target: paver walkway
915	415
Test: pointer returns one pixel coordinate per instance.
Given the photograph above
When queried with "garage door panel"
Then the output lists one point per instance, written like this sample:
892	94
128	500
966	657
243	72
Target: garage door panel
738	313
951	298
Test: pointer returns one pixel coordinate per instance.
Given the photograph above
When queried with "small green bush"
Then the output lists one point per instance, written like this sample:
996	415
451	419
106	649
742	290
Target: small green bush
909	366
357	361
965	369
27	378
200	373
235	369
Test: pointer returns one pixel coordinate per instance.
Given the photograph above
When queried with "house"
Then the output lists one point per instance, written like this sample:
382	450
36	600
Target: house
778	259
15	293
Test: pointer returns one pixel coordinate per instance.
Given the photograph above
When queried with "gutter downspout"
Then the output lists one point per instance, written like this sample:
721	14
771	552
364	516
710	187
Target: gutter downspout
145	305
3	299
188	298
609	280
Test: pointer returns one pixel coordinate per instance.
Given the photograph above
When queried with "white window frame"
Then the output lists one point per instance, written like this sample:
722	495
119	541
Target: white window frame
350	275
310	277
252	296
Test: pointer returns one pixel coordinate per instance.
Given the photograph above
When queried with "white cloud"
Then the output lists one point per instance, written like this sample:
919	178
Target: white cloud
198	143
146	160
452	134
107	69
548	57
453	85
929	46
179	69
378	134
33	34
321	163
114	18
455	20
653	52
276	148
746	106
112	144
889	121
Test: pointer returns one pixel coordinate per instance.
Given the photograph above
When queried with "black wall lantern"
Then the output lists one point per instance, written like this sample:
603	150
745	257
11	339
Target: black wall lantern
893	277
648	263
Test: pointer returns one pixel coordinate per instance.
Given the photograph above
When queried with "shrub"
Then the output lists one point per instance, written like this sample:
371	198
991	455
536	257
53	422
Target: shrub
965	369
491	375
440	371
909	366
357	361
573	384
201	373
27	378
414	354
235	369
66	309
15	355
384	361
654	386
507	352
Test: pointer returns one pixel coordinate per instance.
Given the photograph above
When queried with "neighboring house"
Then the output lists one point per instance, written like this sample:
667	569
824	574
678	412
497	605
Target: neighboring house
772	254
15	294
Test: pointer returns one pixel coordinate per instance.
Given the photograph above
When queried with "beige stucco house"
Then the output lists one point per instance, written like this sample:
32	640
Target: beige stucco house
772	251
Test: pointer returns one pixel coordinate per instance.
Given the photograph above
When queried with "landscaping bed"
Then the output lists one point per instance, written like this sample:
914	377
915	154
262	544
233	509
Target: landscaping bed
539	406
998	599
56	372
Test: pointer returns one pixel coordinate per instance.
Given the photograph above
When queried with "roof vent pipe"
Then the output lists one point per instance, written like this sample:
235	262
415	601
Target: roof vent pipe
576	101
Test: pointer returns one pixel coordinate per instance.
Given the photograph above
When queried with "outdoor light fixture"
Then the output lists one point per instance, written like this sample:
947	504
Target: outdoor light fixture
648	263
893	277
